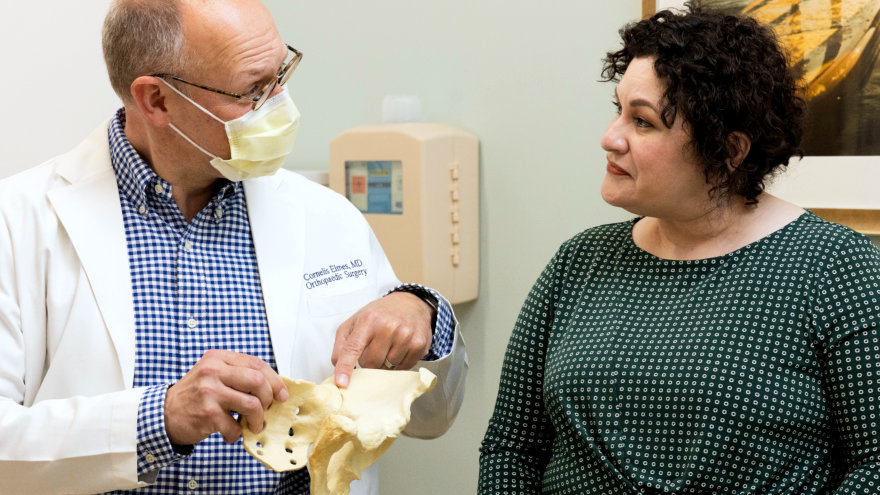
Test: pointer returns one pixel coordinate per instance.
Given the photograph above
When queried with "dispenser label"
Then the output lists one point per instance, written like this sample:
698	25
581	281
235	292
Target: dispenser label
375	186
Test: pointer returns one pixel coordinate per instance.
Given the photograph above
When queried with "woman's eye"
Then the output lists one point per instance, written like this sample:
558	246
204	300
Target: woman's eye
640	122
617	106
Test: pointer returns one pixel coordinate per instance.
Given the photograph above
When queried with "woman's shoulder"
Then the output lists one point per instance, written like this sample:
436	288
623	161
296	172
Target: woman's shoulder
810	230
599	238
828	246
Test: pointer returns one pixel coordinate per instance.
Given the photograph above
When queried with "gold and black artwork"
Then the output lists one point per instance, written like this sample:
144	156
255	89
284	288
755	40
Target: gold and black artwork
834	44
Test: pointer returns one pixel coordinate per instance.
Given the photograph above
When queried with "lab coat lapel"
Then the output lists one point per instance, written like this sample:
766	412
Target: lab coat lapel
277	227
88	208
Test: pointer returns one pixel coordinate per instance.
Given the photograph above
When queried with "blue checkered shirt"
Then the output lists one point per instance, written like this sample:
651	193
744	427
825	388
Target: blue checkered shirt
196	287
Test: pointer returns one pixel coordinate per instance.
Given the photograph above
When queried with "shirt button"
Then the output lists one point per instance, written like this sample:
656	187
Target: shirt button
187	245
159	189
150	458
191	322
218	213
142	209
192	485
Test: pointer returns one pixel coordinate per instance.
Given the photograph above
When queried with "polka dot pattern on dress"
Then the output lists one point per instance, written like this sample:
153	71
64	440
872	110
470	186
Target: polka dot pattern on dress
753	372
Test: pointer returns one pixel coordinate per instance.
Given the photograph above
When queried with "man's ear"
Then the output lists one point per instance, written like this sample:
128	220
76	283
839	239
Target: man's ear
149	93
738	146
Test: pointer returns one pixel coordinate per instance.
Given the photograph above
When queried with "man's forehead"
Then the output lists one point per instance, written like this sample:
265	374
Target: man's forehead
228	35
226	21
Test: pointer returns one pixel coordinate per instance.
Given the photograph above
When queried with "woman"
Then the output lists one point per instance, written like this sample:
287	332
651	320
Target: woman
725	341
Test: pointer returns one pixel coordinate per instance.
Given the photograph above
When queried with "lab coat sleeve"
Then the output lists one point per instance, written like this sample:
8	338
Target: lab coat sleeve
67	445
433	413
72	445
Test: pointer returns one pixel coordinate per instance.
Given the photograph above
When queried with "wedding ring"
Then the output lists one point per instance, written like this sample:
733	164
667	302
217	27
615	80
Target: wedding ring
388	364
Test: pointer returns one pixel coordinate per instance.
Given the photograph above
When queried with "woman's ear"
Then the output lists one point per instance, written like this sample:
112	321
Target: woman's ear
738	146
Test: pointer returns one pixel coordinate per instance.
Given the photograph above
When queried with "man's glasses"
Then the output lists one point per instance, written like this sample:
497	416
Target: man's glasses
256	101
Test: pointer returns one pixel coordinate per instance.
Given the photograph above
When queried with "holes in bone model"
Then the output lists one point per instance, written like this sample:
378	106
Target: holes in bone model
287	448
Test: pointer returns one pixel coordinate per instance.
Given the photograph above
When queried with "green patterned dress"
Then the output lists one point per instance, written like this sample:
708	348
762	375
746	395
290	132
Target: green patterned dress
753	372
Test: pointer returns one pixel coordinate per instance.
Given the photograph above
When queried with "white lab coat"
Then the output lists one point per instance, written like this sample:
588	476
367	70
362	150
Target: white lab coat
67	407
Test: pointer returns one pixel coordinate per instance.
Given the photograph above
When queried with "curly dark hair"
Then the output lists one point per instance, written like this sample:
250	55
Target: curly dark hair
723	73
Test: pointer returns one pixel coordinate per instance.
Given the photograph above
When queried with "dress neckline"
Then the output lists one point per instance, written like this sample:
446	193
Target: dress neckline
713	259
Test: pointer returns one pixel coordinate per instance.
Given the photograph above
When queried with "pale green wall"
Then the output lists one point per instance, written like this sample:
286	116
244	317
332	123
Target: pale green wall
54	83
522	76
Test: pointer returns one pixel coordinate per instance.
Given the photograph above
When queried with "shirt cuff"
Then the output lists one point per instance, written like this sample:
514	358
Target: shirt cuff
154	449
444	328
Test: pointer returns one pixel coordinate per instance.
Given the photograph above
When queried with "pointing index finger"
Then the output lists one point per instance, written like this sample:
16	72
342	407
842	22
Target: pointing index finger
347	350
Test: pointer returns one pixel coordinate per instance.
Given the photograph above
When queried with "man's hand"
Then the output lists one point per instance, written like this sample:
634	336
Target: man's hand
396	327
221	382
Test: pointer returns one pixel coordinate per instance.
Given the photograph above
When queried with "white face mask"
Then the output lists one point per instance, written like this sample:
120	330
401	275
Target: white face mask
259	140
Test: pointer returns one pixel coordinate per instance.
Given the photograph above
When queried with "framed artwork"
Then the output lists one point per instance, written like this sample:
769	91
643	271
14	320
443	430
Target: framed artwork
835	45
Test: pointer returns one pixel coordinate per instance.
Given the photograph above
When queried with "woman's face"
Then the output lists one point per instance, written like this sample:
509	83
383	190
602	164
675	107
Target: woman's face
651	169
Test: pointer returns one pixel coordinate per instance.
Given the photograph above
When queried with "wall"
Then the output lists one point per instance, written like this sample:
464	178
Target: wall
54	84
521	75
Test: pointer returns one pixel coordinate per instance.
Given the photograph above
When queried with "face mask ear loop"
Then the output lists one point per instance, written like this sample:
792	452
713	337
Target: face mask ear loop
184	136
187	98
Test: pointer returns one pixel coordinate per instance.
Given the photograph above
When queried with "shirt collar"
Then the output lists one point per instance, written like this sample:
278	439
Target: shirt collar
134	176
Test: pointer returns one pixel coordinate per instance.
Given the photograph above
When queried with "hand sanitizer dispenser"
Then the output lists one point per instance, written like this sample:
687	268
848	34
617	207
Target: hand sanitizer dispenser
417	185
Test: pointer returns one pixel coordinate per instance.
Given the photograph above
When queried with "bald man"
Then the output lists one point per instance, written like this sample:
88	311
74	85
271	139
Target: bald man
157	280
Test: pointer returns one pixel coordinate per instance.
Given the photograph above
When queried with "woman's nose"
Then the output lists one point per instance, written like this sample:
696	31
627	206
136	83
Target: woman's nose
613	139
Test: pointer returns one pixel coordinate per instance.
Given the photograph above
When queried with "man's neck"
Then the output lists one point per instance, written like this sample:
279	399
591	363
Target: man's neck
192	201
192	186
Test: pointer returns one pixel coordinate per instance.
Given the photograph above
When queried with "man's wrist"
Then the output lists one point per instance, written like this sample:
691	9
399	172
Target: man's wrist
154	449
426	296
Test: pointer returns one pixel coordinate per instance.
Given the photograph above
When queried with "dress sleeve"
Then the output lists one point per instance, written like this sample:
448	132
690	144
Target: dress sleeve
847	322
517	444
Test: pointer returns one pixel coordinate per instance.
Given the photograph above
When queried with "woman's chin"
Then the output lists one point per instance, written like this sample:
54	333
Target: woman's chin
612	195
623	202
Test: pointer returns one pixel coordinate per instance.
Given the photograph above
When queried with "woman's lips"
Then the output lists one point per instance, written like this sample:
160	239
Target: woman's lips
613	169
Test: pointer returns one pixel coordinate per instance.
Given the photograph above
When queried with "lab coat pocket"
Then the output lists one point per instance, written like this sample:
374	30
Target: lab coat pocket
321	316
341	305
